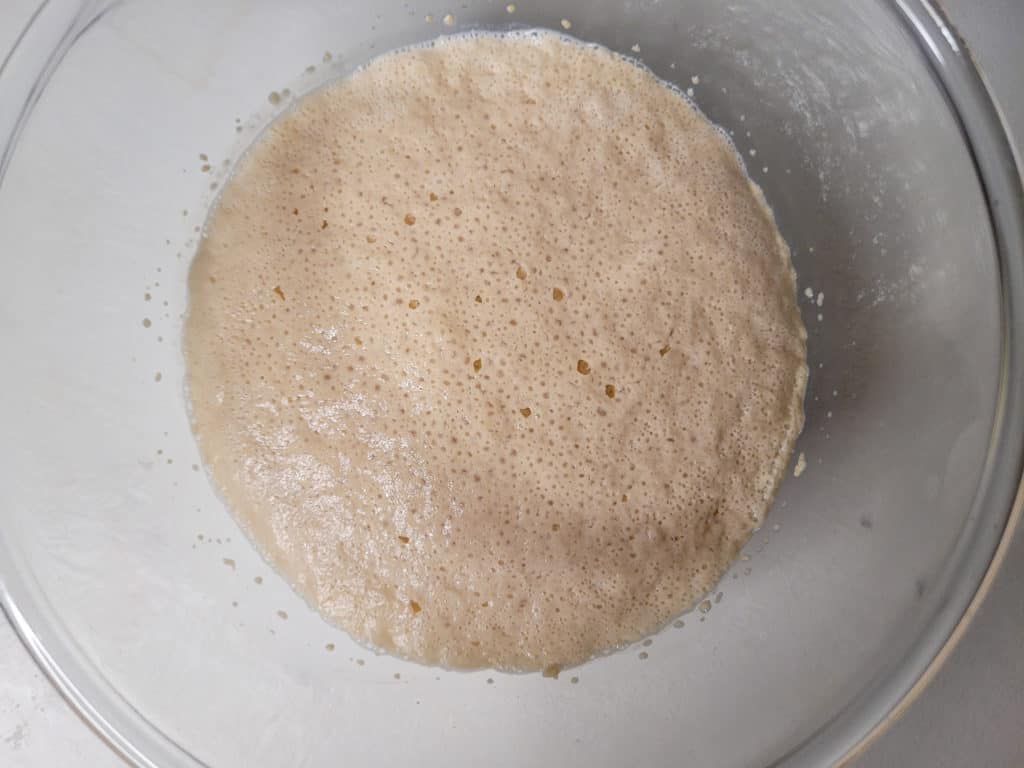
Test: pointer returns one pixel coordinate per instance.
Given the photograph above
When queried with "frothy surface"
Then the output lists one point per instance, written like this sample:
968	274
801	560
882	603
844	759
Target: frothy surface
493	349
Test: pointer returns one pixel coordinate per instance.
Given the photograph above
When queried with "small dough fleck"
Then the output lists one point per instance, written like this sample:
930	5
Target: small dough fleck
801	465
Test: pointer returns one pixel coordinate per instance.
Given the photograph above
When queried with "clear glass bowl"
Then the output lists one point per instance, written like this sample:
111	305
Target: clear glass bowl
889	173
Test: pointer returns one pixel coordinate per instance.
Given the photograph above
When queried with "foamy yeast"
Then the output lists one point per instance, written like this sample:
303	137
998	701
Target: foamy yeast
493	349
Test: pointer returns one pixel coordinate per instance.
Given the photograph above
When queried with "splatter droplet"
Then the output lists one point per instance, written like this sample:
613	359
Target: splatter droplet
801	465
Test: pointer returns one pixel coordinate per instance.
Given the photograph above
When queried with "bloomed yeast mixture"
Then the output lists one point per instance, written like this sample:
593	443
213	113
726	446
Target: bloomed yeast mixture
493	349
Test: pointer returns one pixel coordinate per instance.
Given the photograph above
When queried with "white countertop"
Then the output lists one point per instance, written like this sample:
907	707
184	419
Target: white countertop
971	715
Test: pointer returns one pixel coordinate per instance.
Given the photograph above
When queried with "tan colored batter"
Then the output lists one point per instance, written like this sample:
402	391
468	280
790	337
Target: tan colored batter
494	350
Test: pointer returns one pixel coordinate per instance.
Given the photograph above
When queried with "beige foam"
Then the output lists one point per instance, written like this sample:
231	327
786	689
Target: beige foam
494	351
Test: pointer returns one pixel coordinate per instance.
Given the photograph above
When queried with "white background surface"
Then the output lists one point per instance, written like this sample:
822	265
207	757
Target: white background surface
972	715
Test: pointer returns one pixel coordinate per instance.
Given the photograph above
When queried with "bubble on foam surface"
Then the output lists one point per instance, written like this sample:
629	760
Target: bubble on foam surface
389	319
